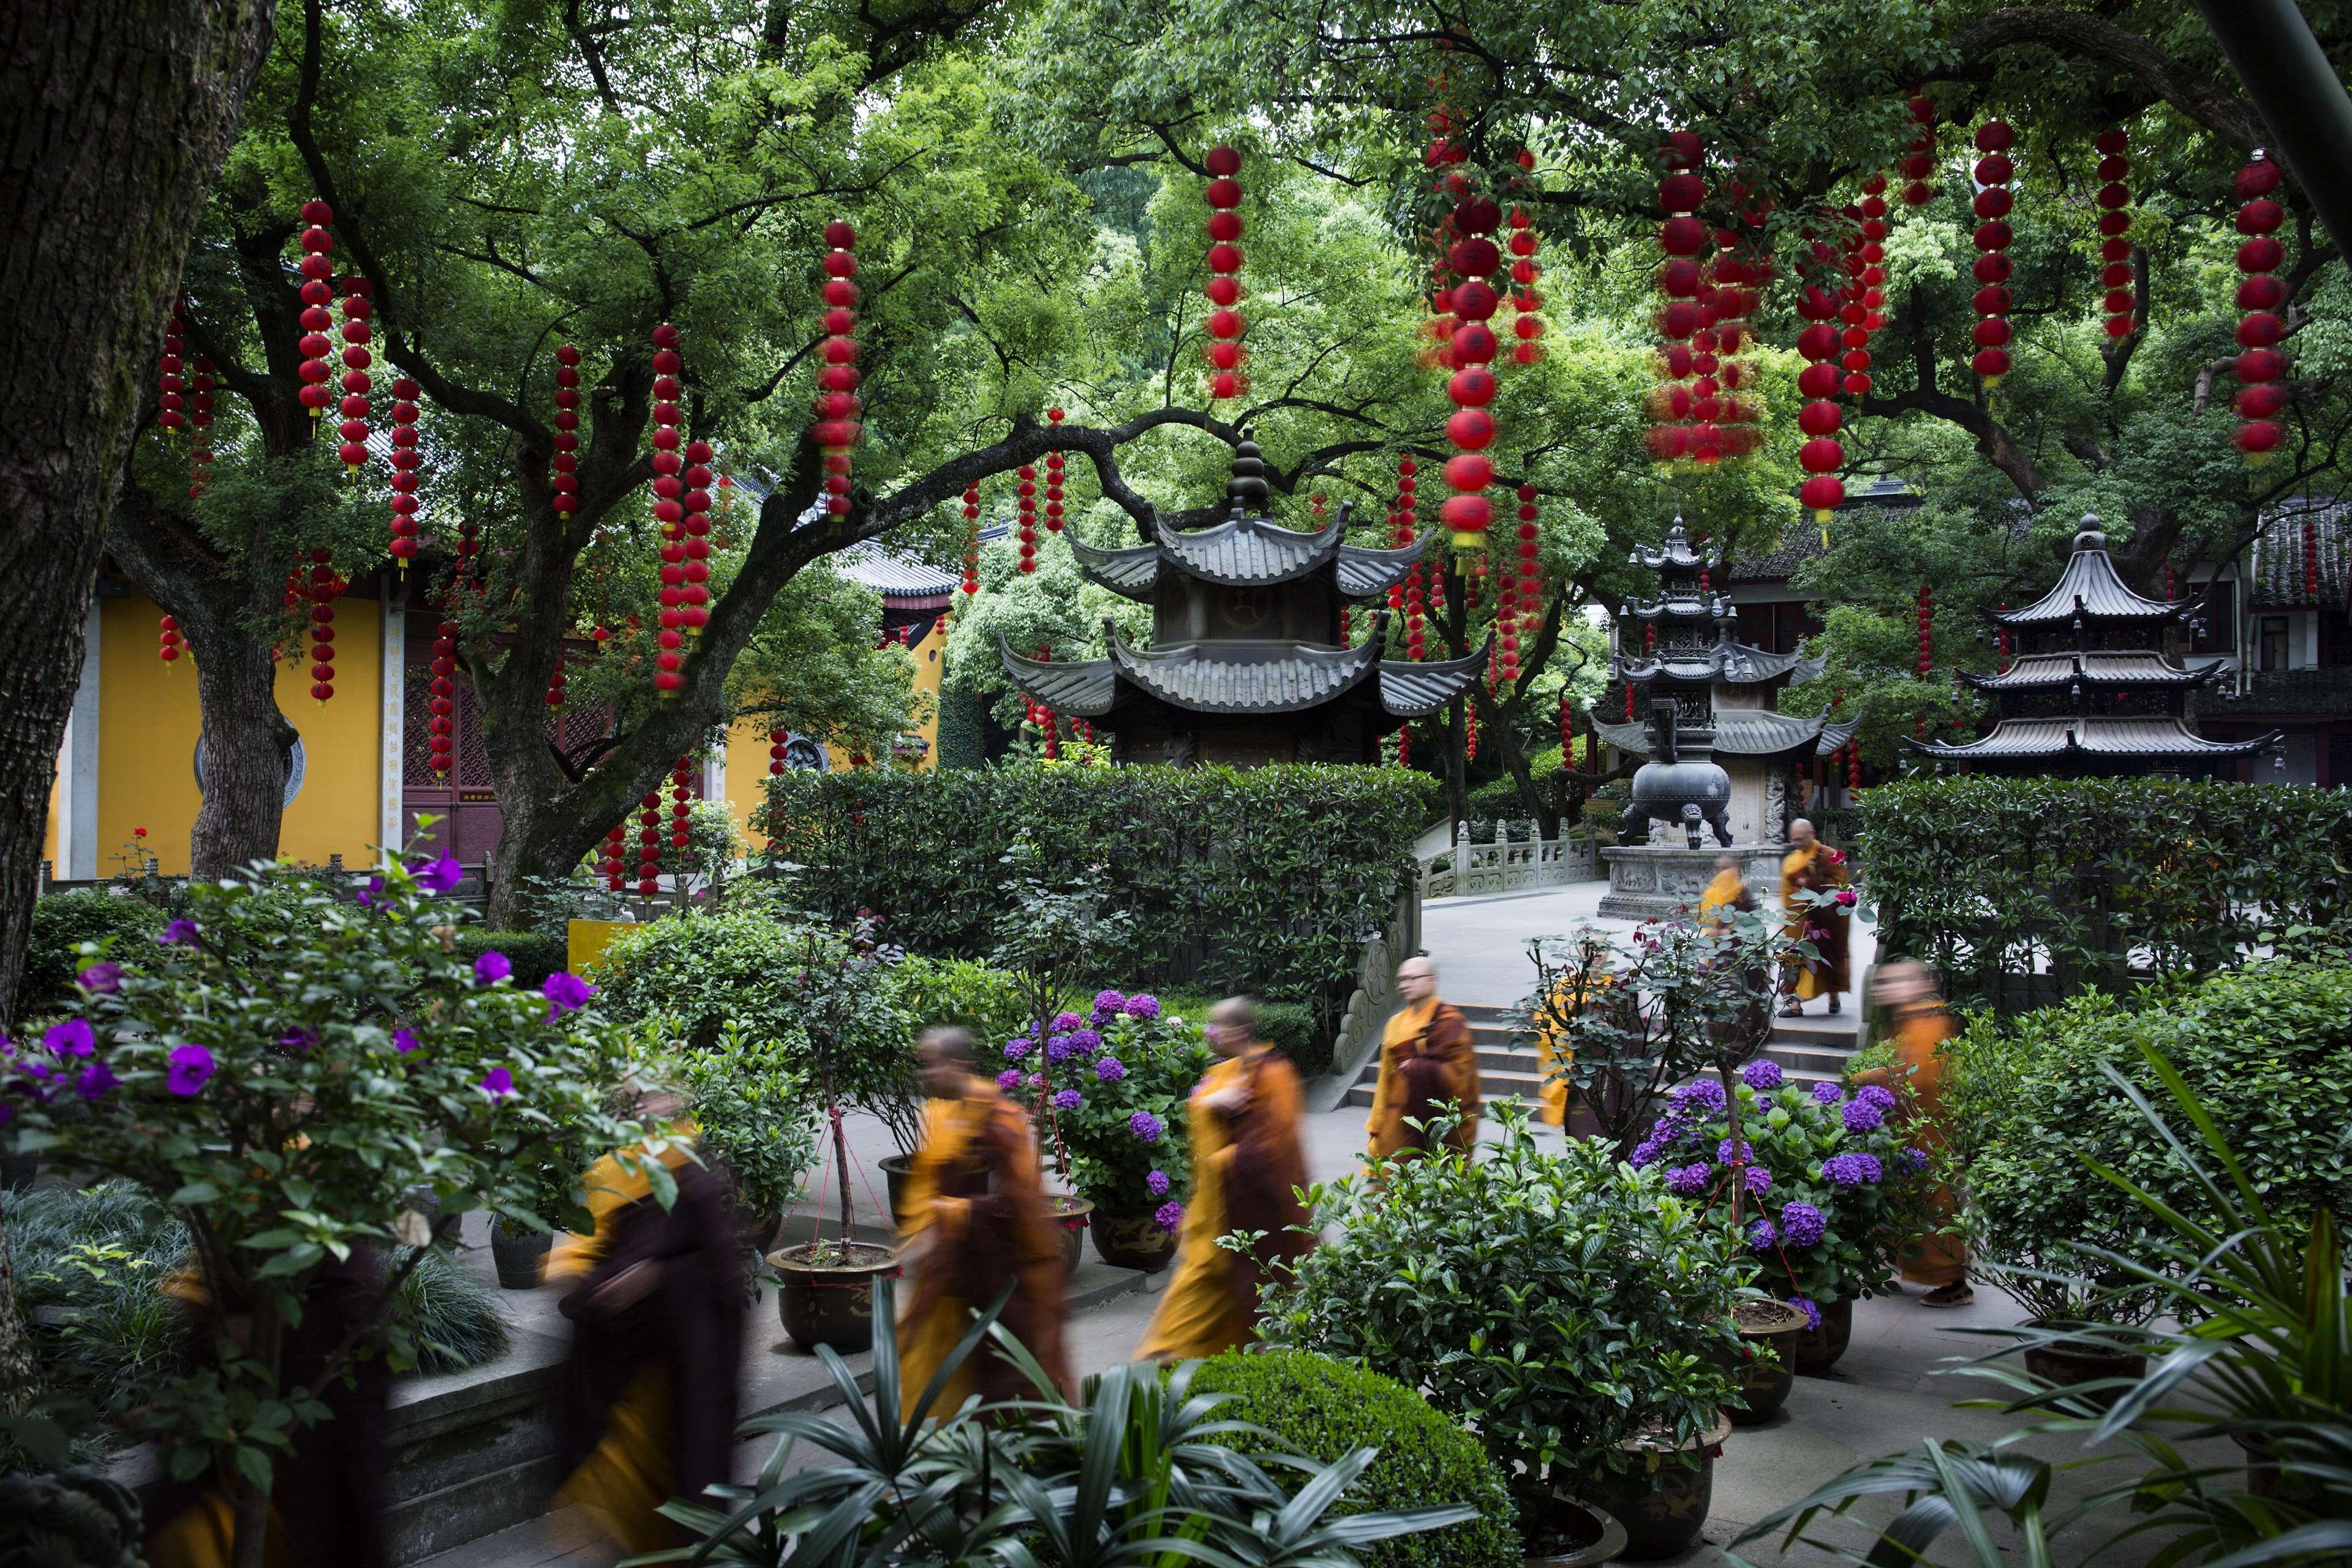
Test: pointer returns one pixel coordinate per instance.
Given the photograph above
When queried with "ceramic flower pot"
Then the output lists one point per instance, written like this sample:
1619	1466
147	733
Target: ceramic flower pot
757	1229
1662	1500
895	1169
1073	1216
2070	1362
825	1292
1133	1238
1818	1350
1566	1532
1770	1330
518	1255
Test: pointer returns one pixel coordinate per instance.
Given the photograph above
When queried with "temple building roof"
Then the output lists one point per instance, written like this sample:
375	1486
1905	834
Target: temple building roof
1744	732
1247	552
1734	663
2038	740
2092	667
2090	588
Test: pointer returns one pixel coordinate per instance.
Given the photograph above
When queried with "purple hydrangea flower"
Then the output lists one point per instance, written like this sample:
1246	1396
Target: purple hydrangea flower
1873	1094
1156	1183
1645	1154
299	1038
1911	1161
102	976
1009	1080
405	1041
1851	1170
1803	1225
1067	1099
1059	1048
1761	1074
1828	1094
1064	1022
1812	1312
71	1038
189	1066
1863	1116
1761	1237
1759	1180
1111	1070
1035	1081
94	1080
497	1083
1108	1003
1016	1050
491	968
1703	1091
1085	1041
1690	1181
567	992
1144	1125
1724	1153
1170	1214
1145	1007
179	933
441	876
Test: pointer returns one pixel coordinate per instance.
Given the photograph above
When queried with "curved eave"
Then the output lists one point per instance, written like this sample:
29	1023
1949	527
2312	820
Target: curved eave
1191	678
2067	678
1131	573
2031	740
1740	733
1250	552
1367	573
1085	689
2091	587
1691	606
1414	689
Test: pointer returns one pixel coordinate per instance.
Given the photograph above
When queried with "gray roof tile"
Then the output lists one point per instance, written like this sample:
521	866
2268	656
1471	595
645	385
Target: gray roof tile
2023	739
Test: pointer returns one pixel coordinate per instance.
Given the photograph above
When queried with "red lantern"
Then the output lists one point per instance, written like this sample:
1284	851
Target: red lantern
668	462
406	458
1993	173
649	843
1225	324
444	691
168	648
611	864
971	537
1053	477
1920	162
318	291
2261	366
1027	493
1410	597
357	308
170	401
837	428
322	588
2115	225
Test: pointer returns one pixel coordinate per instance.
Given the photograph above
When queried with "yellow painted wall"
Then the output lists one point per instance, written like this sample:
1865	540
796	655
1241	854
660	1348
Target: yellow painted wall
49	826
148	724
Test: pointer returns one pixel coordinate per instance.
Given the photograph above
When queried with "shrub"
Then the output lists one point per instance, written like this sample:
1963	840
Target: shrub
757	1112
1556	1304
61	923
1321	1409
700	972
1988	878
1108	1092
1289	1027
1268	878
964	992
452	1313
2268	1050
534	954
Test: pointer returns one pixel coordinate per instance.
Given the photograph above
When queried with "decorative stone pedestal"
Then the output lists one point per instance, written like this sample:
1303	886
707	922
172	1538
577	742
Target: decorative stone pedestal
1651	882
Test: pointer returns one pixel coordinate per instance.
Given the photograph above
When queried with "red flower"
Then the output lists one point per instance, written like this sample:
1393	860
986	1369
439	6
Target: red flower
138	833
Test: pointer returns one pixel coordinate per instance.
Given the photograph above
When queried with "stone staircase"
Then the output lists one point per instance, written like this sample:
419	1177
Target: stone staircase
1810	1048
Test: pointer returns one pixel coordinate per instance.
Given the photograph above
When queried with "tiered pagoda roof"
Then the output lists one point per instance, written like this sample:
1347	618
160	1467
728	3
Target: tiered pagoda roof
1248	552
2092	690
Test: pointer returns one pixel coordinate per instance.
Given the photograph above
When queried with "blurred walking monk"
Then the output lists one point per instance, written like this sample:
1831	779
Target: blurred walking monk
1426	1060
1247	1164
645	1410
1813	866
1919	1026
975	1221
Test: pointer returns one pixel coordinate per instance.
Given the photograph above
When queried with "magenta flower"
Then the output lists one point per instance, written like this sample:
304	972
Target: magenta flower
1064	1022
190	1066
179	933
441	876
104	976
404	1041
497	1083
567	991
491	968
1108	1003
71	1038
94	1080
1111	1070
1144	1007
1847	897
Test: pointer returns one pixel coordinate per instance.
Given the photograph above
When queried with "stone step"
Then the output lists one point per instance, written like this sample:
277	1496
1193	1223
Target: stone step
1491	1086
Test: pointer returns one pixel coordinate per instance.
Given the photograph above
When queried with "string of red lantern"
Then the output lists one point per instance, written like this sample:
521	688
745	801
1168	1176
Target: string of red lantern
1820	343
316	291
200	418
649	843
1225	324
1926	621
357	308
168	649
566	460
2001	638
1994	172
1729	293
1054	461
1045	717
838	405
1864	296
694	595
405	460
2121	300
776	750
971	537
1026	493
1473	258
1526	323
1920	161
1682	239
2259	364
555	684
169	400
611	864
1416	633
324	586
1470	728
681	812
444	691
2310	557
669	511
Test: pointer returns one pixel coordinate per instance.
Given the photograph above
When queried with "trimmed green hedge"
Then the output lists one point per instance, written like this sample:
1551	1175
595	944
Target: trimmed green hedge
534	954
2099	878
1324	1409
1261	881
61	923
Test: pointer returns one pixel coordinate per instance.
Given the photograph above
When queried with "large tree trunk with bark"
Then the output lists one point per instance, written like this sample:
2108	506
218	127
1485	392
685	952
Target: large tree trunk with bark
248	750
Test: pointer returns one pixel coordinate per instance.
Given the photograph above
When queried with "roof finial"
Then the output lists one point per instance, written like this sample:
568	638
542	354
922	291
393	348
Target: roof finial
1249	489
2089	537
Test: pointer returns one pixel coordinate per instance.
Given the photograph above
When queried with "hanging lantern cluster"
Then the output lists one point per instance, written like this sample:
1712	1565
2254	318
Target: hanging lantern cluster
1517	612
681	809
649	843
2001	637
837	405
1473	258
566	460
405	460
2259	364
1470	728
170	401
555	684
669	510
611	866
1225	324
1677	403
1026	490
357	308
1041	717
444	697
1926	619
1919	162
1053	463
1730	281
2121	302
1404	522
778	741
200	420
324	586
1994	172
1526	323
971	537
317	290
169	641
1862	301
1820	343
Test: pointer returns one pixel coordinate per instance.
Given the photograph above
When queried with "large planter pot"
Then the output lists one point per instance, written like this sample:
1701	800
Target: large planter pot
517	1256
1074	1217
1662	1510
1564	1532
2070	1362
895	1169
825	1292
757	1229
1818	1349
1132	1238
1770	1330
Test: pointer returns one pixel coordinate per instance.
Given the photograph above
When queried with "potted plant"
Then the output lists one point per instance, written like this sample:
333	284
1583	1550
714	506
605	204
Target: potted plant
1109	1090
936	992
754	1109
825	1288
518	1249
1572	1308
1821	1185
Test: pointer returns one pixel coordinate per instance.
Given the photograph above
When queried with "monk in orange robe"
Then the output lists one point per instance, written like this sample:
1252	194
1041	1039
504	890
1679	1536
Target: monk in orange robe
1726	899
1247	1168
1426	1061
975	1221
1813	866
1920	1027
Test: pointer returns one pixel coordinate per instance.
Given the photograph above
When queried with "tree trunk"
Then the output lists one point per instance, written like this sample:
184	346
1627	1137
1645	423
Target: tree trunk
248	748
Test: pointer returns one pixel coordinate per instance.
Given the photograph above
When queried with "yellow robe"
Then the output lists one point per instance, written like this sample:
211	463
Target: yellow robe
1556	1046
1407	1034
1823	867
626	1480
1939	1257
1205	1310
1718	906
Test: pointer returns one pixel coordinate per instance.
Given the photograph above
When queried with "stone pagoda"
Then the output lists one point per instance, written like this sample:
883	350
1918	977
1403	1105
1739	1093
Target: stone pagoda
1246	666
1720	757
2091	692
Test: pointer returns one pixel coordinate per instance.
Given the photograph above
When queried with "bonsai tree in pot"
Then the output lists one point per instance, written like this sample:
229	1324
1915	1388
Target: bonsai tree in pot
1571	1309
754	1106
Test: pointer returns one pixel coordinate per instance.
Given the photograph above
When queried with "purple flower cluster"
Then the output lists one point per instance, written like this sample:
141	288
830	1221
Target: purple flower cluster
1705	1093
1690	1181
1144	1007
1064	1022
441	876
1035	1081
1803	1225
1111	1070
1107	1005
1145	1125
1761	1074
187	1069
491	967
94	1080
104	977
497	1083
1646	1154
1812	1311
179	933
1085	1041
71	1038
566	993
1863	1116
1851	1170
1761	1235
1009	1080
1827	1092
1758	1179
1873	1094
1067	1099
1016	1050
1911	1161
1170	1214
1725	1155
1059	1047
1156	1183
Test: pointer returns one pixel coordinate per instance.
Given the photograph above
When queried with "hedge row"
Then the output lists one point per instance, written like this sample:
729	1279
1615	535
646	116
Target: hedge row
1265	879
2092	882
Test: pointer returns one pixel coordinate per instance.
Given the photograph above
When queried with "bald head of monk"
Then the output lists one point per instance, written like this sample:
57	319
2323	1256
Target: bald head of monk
944	1059
1800	833
1416	980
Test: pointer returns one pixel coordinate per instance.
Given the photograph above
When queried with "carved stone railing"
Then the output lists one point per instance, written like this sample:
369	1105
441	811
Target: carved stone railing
1507	865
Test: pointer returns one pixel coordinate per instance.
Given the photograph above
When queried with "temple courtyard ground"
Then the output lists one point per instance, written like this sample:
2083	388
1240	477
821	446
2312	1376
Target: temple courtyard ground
1888	1391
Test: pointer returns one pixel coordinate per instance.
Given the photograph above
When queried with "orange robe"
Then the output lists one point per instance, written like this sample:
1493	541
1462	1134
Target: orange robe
1246	1164
1723	899
1933	1259
1556	1042
976	1191
1815	869
1426	1060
